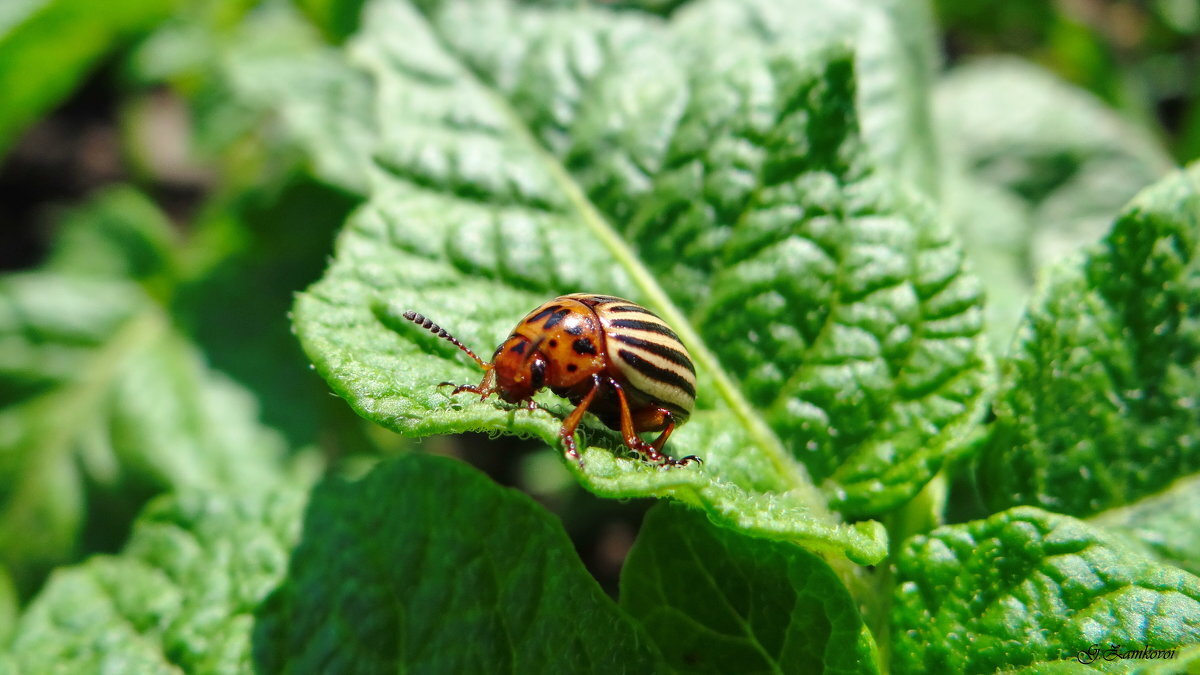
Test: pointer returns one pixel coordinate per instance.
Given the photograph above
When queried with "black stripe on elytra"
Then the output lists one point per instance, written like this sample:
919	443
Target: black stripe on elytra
658	349
584	346
556	318
655	373
604	299
543	314
630	308
649	326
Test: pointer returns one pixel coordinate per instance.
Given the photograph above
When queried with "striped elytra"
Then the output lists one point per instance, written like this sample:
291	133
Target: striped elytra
607	355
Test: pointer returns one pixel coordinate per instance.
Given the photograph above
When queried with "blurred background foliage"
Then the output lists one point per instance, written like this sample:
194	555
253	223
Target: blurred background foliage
1140	57
131	160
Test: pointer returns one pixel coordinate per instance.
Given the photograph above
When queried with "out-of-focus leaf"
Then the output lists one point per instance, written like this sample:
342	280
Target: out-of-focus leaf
1033	170
714	600
1025	587
435	568
48	46
995	228
1071	159
272	241
104	402
1166	525
119	235
179	598
1098	403
9	608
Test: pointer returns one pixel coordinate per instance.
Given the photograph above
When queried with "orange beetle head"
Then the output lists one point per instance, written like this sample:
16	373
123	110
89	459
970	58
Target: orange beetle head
520	369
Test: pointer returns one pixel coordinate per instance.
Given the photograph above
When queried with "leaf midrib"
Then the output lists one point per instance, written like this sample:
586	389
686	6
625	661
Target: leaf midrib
795	474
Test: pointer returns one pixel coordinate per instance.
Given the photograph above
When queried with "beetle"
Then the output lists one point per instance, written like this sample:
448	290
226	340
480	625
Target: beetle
606	355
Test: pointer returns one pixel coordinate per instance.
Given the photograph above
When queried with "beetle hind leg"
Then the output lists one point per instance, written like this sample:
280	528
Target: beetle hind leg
661	441
651	451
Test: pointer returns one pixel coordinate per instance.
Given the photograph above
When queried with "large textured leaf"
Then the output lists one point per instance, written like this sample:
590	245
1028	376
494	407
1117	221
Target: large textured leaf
1026	586
726	188
179	598
1098	405
104	402
718	601
437	569
48	46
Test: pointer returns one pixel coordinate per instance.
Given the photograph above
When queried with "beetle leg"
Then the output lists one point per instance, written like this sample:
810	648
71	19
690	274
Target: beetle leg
630	434
662	440
484	388
652	451
567	431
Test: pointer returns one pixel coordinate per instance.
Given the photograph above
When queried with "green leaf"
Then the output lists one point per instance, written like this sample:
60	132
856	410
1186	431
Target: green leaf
105	405
1165	525
1098	402
119	235
1073	160
9	608
276	66
995	227
179	598
104	402
48	46
273	239
1026	586
438	569
1033	169
726	188
714	600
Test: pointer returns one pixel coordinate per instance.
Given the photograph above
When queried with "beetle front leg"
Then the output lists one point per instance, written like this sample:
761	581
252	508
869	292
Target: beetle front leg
484	388
567	431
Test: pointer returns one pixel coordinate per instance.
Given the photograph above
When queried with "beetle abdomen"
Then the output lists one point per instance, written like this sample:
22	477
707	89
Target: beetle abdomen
646	352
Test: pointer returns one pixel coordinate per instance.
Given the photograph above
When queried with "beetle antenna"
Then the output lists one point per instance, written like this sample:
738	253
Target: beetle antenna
441	332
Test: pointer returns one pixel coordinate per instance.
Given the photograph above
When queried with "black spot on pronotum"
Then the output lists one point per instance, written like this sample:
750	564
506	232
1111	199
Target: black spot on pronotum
543	314
571	367
556	318
575	328
518	348
583	346
554	343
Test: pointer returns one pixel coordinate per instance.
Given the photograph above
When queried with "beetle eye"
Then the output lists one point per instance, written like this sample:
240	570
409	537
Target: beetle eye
537	371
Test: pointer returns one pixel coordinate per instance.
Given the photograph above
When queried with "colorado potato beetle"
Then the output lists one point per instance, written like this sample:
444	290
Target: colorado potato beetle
607	356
